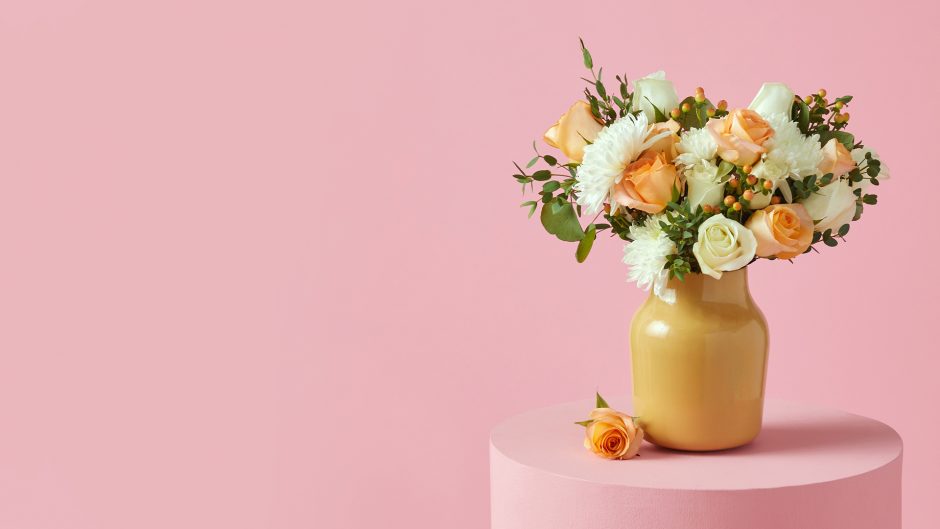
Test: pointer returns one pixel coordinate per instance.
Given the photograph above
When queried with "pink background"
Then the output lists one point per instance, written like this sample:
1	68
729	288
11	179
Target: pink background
263	264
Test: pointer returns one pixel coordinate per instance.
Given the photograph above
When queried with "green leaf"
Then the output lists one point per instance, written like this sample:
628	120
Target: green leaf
531	204
804	117
845	138
601	403
585	423
871	200
724	169
586	243
831	242
531	162
550	160
843	230
542	175
601	91
588	62
560	220
551	186
658	115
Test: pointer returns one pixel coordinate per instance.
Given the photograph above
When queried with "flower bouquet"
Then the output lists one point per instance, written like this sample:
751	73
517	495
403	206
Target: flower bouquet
699	190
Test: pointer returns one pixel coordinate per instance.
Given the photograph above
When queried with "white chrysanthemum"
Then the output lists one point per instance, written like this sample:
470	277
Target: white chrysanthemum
646	257
615	147
696	146
789	154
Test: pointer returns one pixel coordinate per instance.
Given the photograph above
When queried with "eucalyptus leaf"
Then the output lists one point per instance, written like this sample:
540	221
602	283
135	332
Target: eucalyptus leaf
560	220
588	62
542	175
724	169
586	243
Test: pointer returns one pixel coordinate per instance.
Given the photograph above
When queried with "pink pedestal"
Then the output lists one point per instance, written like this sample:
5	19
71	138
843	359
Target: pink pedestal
810	468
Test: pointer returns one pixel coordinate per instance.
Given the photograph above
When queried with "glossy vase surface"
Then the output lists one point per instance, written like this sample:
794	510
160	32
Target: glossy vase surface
699	364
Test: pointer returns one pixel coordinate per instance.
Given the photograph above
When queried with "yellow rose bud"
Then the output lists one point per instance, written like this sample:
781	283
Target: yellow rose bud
612	434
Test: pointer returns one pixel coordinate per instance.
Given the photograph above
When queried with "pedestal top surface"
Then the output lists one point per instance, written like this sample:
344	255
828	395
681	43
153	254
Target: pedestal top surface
798	445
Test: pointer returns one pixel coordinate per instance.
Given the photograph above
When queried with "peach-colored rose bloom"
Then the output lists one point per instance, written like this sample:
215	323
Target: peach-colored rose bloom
666	145
612	434
783	230
647	183
740	136
569	133
836	159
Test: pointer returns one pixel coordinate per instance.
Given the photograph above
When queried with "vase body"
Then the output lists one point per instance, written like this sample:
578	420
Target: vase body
699	364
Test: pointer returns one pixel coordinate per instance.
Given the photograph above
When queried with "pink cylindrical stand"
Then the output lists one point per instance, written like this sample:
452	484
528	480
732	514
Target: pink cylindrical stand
810	468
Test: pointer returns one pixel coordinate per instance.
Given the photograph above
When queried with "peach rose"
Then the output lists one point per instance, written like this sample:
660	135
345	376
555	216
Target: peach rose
647	183
784	230
572	128
668	144
836	159
612	434
740	136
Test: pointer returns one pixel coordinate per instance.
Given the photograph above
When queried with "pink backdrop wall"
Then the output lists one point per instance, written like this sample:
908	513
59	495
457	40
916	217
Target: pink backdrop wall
263	265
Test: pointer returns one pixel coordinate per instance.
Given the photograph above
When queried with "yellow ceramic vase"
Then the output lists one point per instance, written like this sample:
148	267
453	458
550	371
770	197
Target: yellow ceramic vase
699	364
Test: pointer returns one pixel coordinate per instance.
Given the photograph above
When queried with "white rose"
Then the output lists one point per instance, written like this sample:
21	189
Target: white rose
704	186
651	90
773	98
723	245
832	206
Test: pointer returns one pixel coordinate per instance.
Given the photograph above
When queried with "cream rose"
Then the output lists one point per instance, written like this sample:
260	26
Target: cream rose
612	434
705	188
740	136
723	245
647	183
832	206
836	159
784	231
773	98
572	129
652	90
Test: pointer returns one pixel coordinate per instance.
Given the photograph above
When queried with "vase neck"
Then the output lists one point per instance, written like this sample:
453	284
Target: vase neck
731	288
